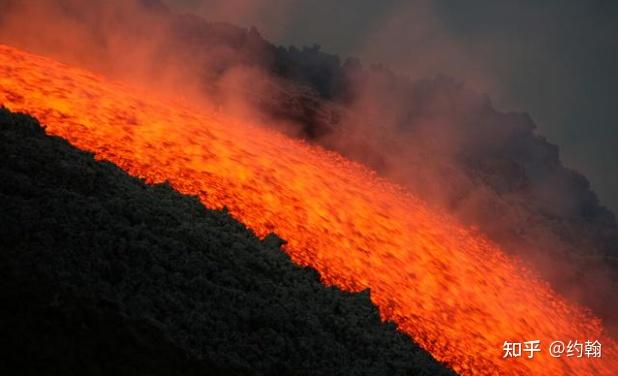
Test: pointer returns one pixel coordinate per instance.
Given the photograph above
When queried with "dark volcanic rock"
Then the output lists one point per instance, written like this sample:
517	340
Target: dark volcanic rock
103	274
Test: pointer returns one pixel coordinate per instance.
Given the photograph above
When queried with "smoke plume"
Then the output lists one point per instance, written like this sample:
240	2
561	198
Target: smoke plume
440	139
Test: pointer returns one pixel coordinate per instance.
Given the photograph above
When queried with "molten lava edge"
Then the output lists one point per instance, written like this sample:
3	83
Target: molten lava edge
453	291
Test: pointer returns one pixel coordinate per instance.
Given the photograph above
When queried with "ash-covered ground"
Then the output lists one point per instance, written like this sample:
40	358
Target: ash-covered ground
103	274
442	140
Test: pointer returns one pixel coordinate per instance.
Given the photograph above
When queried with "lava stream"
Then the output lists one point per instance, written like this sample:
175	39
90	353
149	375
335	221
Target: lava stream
454	292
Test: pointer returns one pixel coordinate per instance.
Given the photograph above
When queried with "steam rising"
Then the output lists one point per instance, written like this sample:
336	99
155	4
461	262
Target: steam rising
443	141
449	289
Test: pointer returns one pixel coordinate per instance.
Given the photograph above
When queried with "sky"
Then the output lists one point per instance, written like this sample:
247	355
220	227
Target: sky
556	60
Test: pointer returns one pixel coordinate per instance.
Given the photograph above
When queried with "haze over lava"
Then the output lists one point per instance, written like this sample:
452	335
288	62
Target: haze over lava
452	290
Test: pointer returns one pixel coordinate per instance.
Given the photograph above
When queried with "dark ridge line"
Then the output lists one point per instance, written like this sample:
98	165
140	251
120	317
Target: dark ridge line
103	274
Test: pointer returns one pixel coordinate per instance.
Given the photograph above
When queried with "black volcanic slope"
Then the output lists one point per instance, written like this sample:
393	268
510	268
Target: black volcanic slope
103	274
439	138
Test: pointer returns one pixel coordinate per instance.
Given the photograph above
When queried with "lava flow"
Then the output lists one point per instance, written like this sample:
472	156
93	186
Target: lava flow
454	292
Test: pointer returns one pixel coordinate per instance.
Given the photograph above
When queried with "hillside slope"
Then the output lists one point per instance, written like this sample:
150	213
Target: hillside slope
443	141
102	274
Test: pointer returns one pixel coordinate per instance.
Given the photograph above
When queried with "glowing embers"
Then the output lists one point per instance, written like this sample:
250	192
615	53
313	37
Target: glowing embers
451	290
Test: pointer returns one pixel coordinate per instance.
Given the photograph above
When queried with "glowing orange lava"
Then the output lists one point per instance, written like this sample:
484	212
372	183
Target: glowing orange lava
450	289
